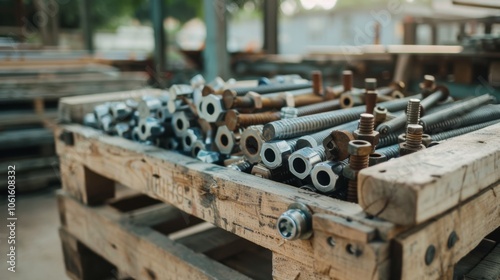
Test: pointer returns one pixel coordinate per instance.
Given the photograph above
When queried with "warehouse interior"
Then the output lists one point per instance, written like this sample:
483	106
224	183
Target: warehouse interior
250	139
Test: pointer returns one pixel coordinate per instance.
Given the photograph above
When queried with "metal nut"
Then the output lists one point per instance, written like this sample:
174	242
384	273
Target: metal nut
359	148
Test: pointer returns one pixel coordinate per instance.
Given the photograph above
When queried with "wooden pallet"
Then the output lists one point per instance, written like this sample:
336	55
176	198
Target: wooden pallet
347	242
139	237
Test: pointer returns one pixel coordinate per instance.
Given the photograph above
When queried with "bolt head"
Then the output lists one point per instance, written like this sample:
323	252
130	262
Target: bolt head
359	148
231	120
289	99
336	144
295	223
256	98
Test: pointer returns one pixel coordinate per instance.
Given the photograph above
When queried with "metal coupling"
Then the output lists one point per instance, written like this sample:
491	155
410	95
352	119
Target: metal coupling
295	223
325	175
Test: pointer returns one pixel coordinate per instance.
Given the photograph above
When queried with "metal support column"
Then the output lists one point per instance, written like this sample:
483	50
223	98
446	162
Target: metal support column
270	8
157	8
86	24
216	58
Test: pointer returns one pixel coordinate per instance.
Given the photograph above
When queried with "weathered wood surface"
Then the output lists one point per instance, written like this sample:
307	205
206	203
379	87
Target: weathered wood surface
140	252
414	188
471	221
239	203
73	109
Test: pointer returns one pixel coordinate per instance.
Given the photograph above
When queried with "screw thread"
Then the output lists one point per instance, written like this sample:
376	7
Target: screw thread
358	162
484	114
352	191
414	136
413	111
366	123
289	128
456	132
318	108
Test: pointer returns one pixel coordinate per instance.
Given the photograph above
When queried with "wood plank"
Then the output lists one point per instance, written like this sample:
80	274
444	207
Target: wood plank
284	269
73	109
239	203
414	188
80	262
472	220
138	251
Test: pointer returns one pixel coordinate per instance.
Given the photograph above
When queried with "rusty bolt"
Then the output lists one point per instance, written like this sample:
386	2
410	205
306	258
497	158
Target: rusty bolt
366	130
360	151
336	144
234	119
413	140
317	83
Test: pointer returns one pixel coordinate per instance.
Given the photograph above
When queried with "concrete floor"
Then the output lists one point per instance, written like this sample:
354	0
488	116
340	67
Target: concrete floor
39	253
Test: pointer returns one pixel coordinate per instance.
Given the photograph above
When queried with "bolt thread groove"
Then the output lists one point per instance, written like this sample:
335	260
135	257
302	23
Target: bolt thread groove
289	128
483	114
352	191
457	132
366	123
413	111
414	140
358	162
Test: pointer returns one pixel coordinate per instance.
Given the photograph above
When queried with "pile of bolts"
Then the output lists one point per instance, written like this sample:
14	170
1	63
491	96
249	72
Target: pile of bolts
296	131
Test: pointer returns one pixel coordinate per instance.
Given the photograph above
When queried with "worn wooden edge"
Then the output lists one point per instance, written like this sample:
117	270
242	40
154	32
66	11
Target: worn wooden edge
73	109
240	203
471	221
285	269
414	188
138	251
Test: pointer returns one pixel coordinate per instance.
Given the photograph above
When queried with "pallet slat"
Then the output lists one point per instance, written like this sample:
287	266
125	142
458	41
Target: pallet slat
139	252
419	186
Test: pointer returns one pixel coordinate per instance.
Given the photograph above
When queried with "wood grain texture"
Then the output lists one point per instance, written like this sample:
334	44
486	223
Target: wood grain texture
73	109
240	203
472	220
414	188
286	269
137	251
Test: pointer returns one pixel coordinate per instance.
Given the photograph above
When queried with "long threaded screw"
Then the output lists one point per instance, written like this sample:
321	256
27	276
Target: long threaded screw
366	123
289	128
413	111
456	110
480	115
234	119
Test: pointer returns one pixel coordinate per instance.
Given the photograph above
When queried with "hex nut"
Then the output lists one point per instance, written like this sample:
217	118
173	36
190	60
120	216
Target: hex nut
212	108
148	107
301	162
359	148
180	123
190	136
404	150
376	158
273	153
120	110
256	98
251	143
149	128
372	138
323	177
226	141
426	140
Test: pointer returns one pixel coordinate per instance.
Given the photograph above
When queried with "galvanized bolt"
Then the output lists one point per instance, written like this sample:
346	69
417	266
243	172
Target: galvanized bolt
295	223
413	111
